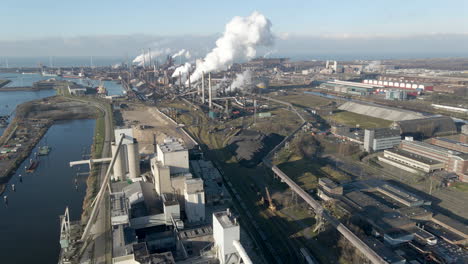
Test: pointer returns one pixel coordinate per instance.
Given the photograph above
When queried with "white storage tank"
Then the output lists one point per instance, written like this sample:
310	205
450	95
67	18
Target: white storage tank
119	165
133	156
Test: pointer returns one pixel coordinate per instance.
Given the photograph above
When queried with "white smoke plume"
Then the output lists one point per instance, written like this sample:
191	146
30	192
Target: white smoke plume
179	53
269	52
242	79
182	70
241	37
145	57
373	66
182	53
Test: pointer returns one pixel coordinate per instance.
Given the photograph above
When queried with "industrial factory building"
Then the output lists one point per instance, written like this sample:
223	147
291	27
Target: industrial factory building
411	160
402	84
127	164
396	95
403	220
450	144
427	157
426	127
171	174
428	150
352	88
161	218
74	89
381	138
226	233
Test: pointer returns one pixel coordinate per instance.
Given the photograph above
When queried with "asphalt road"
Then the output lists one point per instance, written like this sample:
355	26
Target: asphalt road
101	230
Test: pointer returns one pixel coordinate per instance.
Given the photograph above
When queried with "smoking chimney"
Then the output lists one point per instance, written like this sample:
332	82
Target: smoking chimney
203	87
188	75
150	59
180	79
209	91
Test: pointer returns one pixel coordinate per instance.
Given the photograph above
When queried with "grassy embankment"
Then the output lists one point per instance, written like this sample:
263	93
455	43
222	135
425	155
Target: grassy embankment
92	182
460	186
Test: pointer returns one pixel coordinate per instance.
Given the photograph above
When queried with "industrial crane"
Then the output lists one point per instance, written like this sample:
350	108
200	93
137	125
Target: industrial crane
271	205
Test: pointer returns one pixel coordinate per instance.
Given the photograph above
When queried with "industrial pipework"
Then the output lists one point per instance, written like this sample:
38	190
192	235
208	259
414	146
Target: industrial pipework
242	253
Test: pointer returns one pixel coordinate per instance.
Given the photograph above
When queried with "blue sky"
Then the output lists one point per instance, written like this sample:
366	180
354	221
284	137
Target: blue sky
311	27
51	18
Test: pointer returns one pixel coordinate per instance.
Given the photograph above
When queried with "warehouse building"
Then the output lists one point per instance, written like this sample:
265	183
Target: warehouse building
352	88
450	144
426	127
453	161
427	150
381	138
459	165
396	95
394	227
411	160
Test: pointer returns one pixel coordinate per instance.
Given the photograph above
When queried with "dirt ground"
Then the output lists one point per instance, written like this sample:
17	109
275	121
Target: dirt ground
146	122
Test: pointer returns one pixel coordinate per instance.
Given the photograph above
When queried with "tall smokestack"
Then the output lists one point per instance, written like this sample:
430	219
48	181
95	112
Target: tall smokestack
144	58
209	91
180	79
189	86
198	88
150	59
203	87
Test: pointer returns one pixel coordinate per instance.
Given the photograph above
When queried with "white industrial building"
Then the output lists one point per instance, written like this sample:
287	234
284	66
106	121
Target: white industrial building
410	162
76	90
127	163
173	154
381	138
170	169
194	195
226	233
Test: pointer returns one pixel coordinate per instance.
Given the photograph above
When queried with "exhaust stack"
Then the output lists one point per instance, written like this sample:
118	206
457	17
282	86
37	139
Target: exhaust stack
209	91
180	80
203	87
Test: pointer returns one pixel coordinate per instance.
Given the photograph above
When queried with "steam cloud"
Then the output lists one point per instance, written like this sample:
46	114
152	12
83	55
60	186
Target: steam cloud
182	52
374	65
241	80
183	70
140	59
241	37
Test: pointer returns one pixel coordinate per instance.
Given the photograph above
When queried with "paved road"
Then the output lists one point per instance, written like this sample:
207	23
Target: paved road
101	230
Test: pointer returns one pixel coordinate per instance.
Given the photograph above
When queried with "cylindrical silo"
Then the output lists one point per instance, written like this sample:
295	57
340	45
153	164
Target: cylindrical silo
133	160
119	165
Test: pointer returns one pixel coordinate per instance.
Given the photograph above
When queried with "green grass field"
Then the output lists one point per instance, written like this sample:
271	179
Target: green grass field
304	100
461	186
352	120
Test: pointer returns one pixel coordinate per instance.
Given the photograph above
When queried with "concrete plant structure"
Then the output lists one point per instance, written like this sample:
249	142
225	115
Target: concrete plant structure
194	194
173	154
127	164
381	138
226	233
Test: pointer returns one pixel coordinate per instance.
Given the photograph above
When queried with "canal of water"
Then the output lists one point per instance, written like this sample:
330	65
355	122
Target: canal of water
29	223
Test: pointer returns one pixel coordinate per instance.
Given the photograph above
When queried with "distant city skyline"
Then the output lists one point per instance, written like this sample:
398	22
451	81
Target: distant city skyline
115	28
